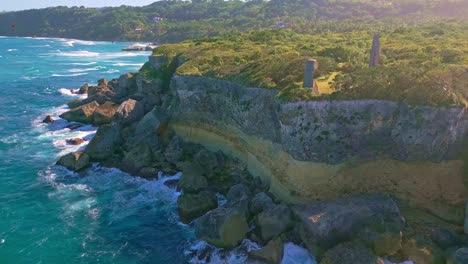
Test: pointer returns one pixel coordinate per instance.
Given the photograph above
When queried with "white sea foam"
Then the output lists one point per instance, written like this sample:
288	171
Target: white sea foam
203	253
10	50
82	53
121	64
69	75
86	69
69	92
82	63
294	254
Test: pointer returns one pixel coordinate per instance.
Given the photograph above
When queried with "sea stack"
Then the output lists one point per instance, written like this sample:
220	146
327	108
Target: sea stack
375	52
310	66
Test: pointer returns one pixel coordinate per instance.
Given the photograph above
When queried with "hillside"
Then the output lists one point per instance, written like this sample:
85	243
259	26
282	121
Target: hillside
424	65
173	21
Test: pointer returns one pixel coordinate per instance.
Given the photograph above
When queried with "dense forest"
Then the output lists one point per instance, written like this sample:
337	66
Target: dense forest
173	21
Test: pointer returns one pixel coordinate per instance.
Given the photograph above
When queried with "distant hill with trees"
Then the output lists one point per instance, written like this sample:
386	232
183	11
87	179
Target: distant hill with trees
173	21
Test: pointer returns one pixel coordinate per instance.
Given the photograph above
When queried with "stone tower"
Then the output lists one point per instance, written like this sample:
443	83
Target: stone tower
310	66
375	52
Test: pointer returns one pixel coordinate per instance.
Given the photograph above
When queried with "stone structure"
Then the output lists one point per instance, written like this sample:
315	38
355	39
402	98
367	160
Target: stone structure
310	66
375	52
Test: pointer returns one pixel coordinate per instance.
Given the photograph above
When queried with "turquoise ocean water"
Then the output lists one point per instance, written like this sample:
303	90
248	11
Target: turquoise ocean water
48	214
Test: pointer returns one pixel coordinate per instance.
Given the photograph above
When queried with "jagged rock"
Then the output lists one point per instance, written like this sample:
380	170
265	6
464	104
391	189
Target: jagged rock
208	160
460	256
75	141
272	253
104	113
421	249
74	126
82	114
106	141
76	161
274	221
48	119
223	227
148	173
100	98
174	151
129	112
324	224
127	85
136	158
192	179
351	252
83	89
445	239
237	193
385	241
260	202
102	81
151	122
191	206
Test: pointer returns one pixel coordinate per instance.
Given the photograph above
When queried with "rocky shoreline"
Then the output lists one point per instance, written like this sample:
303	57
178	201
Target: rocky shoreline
146	123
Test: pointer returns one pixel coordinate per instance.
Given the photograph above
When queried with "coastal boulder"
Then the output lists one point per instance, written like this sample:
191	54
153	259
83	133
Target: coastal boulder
222	227
419	248
174	150
83	89
238	193
82	114
272	253
324	224
274	221
48	119
126	85
102	81
136	158
129	112
75	141
100	98
460	256
103	114
75	161
192	206
260	202
192	179
105	143
351	252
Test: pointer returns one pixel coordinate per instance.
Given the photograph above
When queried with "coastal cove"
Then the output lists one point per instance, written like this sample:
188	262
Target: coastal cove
49	214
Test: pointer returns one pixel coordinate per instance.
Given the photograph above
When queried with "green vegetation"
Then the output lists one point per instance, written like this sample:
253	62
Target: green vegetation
423	65
182	20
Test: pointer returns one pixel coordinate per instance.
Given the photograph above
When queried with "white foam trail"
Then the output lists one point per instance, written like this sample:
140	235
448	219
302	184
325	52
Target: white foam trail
294	254
10	50
68	75
239	255
120	64
86	70
83	53
82	63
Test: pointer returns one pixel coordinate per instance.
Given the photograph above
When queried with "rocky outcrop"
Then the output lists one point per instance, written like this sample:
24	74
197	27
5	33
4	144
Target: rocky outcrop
192	206
76	161
374	218
82	114
75	141
272	253
223	227
48	119
326	149
350	253
460	256
303	154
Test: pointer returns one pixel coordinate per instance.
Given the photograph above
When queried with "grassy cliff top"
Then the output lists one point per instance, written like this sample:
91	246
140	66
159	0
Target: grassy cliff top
424	65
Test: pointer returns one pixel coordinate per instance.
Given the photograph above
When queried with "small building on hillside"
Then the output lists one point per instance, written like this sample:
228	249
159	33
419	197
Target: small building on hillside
139	30
156	19
280	24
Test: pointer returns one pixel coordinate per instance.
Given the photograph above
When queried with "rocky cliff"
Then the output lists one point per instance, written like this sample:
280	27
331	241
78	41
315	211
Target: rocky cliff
323	149
309	160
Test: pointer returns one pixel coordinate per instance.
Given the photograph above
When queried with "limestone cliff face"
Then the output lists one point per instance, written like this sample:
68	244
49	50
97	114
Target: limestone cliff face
322	149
